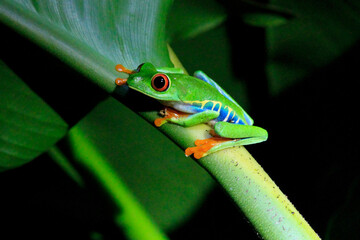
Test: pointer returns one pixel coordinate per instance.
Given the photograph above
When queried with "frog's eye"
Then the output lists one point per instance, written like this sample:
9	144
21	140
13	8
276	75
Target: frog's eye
160	82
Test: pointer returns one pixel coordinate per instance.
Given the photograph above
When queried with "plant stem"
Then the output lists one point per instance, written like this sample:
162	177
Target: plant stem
258	197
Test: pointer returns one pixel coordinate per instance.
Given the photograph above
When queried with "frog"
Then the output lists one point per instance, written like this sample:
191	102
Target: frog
192	100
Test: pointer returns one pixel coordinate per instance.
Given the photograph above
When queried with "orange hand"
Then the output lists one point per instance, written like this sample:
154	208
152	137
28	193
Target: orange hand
169	113
121	68
120	81
204	145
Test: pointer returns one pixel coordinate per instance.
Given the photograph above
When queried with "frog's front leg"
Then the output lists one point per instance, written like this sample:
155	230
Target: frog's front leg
185	119
231	135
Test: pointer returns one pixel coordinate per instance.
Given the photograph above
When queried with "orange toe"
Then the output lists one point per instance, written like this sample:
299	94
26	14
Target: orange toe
120	81
169	113
189	151
160	121
202	146
198	152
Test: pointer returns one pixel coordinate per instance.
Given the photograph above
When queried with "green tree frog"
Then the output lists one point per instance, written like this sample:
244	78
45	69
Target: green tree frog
193	100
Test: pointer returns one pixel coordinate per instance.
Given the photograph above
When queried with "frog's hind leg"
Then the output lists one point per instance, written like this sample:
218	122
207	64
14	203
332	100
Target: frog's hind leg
232	135
205	146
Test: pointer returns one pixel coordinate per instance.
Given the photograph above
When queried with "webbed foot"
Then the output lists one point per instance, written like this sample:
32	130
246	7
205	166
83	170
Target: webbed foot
203	146
169	114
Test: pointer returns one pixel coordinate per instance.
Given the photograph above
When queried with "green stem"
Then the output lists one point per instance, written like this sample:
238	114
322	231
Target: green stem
258	197
131	217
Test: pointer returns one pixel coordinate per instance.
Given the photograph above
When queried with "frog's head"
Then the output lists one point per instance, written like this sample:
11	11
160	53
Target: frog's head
150	81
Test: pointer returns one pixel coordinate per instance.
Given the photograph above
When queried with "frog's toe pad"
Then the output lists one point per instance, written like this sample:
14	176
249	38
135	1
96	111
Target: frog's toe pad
202	146
160	121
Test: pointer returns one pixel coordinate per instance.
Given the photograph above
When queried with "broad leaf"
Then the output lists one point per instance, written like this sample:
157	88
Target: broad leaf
320	33
263	15
169	185
188	18
28	126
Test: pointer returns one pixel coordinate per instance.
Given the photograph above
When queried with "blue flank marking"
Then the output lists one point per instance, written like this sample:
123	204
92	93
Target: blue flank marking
208	105
217	107
232	118
248	121
231	115
224	113
241	122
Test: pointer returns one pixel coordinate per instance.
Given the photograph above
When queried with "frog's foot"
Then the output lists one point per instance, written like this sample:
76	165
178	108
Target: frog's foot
122	69
120	81
169	114
202	147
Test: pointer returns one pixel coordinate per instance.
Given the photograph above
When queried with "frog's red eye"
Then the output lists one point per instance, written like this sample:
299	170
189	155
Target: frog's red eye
160	82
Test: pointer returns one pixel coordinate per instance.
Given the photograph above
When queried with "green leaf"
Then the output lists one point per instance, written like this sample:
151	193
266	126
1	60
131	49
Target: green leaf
169	185
263	15
132	217
319	34
80	35
263	19
28	125
188	18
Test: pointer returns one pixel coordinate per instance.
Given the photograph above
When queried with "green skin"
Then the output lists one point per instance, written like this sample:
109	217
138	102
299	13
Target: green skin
184	88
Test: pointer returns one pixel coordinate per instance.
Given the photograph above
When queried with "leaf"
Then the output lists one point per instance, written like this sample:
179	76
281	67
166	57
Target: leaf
94	37
28	125
132	218
263	15
169	185
188	19
320	33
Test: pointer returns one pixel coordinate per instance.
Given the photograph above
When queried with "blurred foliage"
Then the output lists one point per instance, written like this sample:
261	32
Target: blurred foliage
298	80
183	183
320	33
28	125
190	18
